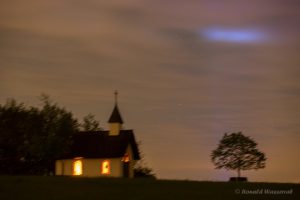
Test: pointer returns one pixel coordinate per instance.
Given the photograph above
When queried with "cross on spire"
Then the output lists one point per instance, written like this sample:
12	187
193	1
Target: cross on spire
116	97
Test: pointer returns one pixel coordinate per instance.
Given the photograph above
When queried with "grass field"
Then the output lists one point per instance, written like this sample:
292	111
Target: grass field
46	188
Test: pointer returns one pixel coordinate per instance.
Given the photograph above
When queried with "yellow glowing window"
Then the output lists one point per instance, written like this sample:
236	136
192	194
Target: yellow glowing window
105	167
77	167
126	158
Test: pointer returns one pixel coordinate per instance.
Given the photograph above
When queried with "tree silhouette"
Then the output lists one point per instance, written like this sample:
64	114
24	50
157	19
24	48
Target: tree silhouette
140	168
238	152
90	123
31	139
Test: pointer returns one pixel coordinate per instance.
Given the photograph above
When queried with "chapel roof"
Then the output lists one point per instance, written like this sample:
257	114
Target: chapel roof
99	144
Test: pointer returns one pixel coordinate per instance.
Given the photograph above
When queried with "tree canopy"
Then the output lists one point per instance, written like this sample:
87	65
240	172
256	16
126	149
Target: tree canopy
90	123
237	152
31	138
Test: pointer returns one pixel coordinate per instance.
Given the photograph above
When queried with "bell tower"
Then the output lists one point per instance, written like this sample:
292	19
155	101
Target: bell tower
115	121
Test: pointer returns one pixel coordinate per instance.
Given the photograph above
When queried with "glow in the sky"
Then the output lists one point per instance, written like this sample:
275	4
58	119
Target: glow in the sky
237	35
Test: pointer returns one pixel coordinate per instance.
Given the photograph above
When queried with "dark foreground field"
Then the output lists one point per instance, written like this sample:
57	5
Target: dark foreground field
44	188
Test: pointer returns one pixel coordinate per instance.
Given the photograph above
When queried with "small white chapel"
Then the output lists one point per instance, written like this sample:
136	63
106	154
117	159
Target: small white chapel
105	153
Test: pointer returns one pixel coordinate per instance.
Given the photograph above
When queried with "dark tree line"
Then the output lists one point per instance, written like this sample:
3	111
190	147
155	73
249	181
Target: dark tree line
32	138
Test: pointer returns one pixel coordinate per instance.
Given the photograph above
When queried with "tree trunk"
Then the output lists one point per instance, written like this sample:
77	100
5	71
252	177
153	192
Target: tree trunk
239	172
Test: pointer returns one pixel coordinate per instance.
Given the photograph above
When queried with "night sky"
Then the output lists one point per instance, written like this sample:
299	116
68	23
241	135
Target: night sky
186	71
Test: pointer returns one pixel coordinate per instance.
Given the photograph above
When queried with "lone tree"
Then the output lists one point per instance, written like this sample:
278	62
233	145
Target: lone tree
238	152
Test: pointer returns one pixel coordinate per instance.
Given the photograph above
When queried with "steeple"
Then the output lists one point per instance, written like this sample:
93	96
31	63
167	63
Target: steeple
115	116
115	119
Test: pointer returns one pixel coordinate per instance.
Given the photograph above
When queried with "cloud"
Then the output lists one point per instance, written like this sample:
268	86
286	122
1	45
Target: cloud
233	35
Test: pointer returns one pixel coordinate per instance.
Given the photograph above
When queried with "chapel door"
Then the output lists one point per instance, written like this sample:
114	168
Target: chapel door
126	162
126	169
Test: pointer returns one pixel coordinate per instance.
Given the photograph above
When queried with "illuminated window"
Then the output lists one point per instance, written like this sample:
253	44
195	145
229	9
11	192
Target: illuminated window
77	167
126	158
105	167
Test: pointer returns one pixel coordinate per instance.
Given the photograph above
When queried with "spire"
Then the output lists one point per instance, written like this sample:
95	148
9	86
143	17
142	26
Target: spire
115	116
